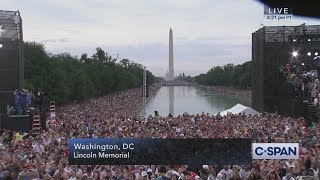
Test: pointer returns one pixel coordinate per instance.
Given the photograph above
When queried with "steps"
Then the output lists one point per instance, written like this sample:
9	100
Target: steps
36	124
52	110
52	114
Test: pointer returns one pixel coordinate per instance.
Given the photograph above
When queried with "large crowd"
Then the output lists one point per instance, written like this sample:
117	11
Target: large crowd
230	91
304	81
45	156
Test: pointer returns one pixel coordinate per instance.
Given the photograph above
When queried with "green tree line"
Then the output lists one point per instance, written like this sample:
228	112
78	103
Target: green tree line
66	78
228	75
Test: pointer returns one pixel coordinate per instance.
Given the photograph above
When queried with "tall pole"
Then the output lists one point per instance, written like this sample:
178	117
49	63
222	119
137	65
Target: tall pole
21	57
171	70
144	92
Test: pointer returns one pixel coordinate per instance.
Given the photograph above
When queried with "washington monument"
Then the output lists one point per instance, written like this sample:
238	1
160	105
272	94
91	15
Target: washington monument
171	72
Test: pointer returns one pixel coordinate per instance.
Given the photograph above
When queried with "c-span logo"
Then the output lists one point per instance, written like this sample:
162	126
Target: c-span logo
275	151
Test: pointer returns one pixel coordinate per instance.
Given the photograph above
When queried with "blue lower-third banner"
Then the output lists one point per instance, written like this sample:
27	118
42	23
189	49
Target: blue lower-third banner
132	151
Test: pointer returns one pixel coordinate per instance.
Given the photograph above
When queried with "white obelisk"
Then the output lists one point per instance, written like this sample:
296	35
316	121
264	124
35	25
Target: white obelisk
171	72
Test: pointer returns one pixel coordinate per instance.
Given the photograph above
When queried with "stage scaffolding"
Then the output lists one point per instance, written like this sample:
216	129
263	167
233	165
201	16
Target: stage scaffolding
272	47
11	56
11	40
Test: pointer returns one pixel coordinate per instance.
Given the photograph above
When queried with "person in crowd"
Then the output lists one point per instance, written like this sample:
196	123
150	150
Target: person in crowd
16	98
273	174
227	171
256	174
39	98
245	172
235	175
114	116
19	101
162	173
203	173
23	99
288	177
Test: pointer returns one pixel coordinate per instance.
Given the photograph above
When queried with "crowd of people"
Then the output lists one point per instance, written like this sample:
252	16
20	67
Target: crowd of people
304	81
45	156
230	91
24	100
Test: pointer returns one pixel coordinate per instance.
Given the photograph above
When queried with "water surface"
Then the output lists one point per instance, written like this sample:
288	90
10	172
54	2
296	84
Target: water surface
180	99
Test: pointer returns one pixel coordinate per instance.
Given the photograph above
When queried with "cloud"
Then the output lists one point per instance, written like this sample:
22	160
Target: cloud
190	57
206	33
61	40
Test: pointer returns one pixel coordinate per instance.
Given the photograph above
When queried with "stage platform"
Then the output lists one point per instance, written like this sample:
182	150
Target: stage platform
20	122
16	122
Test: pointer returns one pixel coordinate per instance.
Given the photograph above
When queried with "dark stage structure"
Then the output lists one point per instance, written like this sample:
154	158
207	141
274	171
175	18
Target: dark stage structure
21	122
272	48
11	57
16	122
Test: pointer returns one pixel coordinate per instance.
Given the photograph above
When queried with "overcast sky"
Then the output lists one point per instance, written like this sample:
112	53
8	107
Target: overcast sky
206	33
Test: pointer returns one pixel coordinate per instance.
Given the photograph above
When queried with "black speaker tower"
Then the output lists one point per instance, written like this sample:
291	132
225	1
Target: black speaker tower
11	57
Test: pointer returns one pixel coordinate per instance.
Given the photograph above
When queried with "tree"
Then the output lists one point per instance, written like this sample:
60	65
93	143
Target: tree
66	78
227	75
125	62
84	58
101	55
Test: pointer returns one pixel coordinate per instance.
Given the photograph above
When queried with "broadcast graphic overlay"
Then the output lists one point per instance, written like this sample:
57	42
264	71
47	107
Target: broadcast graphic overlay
130	151
275	151
278	14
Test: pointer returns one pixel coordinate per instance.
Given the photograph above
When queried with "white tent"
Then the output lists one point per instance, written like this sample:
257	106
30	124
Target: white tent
239	108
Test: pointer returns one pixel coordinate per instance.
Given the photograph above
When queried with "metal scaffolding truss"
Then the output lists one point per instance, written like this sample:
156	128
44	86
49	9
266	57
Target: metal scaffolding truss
272	47
289	33
10	26
11	49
